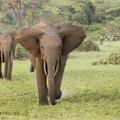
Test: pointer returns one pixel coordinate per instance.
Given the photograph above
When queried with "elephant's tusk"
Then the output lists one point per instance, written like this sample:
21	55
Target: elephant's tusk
45	68
57	66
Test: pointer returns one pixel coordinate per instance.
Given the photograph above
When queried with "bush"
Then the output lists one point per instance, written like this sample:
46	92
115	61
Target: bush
114	26
20	52
93	27
88	46
114	58
1	27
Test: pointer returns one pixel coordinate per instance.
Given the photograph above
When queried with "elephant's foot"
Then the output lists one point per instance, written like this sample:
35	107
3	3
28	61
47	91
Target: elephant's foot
43	102
53	102
8	78
5	75
58	95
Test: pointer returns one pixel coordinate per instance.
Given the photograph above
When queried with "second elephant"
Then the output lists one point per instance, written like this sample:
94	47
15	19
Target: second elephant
7	49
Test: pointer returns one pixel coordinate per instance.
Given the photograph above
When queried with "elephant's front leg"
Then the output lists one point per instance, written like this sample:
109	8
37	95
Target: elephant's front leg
41	82
10	65
59	76
0	68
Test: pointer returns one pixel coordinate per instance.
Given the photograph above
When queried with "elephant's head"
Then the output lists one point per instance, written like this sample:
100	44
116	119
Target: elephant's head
8	40
50	43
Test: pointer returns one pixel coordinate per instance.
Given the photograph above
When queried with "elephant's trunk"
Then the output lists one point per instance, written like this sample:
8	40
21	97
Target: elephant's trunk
51	85
51	67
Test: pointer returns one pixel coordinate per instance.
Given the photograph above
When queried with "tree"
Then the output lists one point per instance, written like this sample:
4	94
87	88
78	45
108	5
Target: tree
13	8
89	11
23	12
106	10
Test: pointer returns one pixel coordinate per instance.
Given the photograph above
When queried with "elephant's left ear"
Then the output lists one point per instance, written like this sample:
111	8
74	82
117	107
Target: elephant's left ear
72	38
13	34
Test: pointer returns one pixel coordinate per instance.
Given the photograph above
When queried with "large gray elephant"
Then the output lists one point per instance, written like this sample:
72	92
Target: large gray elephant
7	49
50	46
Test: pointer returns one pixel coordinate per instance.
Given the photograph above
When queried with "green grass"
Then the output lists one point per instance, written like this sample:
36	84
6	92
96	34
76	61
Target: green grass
89	92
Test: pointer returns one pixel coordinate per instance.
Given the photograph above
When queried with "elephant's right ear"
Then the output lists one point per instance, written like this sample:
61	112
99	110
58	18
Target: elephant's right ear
28	38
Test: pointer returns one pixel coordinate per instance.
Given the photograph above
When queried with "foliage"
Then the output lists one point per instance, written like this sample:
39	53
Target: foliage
114	26
78	12
20	52
1	27
112	13
114	58
109	31
59	10
67	12
92	27
88	46
106	10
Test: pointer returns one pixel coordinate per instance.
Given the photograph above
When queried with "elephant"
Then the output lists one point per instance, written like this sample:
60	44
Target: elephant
50	47
7	49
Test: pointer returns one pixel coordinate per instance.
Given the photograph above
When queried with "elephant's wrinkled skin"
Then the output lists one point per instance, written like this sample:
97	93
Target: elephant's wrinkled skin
7	49
50	46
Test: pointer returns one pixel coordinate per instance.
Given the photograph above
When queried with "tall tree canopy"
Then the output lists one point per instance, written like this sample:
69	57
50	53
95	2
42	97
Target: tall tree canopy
78	12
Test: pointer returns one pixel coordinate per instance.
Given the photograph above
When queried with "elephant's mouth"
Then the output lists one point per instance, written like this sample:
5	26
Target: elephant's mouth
55	68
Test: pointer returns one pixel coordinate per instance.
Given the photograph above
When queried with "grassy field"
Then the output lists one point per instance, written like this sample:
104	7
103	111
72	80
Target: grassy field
89	92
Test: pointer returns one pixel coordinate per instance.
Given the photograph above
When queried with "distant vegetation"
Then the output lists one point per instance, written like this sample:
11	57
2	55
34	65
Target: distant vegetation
88	46
20	53
100	19
20	13
113	58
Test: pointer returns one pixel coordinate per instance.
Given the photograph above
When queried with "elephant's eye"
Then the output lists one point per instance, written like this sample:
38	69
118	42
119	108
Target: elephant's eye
60	48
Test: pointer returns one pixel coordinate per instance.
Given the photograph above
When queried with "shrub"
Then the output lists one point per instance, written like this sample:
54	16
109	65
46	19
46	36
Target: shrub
93	27
114	26
114	58
20	52
88	46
